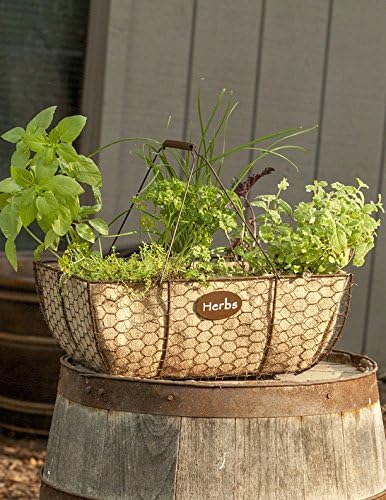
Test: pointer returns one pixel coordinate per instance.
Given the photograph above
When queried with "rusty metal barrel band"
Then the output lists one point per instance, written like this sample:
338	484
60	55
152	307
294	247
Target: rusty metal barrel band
220	399
50	492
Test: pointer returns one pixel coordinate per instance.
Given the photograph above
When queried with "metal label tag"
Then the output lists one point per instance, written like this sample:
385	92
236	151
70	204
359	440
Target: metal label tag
218	305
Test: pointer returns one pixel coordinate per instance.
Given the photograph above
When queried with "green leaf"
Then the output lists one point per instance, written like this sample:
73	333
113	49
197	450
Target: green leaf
87	210
20	157
259	203
38	251
100	225
266	233
70	127
14	135
48	206
67	152
8	185
129	233
49	154
72	203
4	197
53	136
10	252
86	171
35	142
284	206
10	222
63	185
45	170
283	184
85	232
51	240
41	120
27	207
62	224
361	184
97	195
22	177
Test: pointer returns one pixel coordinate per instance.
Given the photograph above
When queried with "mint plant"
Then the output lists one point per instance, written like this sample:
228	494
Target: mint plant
318	236
46	181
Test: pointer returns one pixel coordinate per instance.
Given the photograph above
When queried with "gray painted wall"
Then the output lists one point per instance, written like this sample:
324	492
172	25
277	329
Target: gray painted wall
289	62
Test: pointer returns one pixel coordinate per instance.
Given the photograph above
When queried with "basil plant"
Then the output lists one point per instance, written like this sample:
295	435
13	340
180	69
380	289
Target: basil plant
47	178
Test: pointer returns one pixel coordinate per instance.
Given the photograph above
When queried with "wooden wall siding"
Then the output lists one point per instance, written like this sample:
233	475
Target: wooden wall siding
352	120
95	71
293	62
146	78
230	49
289	85
374	339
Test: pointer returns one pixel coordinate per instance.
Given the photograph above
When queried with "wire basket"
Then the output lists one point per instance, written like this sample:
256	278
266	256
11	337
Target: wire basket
272	325
233	327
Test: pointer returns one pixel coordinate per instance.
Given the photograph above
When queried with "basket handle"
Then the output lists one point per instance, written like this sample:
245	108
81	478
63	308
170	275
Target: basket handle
170	143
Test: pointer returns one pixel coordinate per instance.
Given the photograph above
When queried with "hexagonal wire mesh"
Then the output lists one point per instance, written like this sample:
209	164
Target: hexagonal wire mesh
284	325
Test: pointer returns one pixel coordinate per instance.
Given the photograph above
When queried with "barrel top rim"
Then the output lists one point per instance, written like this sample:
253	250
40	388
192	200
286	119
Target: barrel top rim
224	399
365	367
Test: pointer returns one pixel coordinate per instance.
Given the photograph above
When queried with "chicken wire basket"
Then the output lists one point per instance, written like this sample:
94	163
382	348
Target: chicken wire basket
230	327
178	329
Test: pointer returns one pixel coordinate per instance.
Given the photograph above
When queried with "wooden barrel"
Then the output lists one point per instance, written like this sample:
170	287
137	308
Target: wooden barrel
29	356
317	435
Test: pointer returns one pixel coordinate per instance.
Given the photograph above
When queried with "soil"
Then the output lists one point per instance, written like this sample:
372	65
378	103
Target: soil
22	457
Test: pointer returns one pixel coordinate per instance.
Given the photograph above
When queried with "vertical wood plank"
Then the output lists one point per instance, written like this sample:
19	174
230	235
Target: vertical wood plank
109	454
324	457
269	459
140	457
351	134
149	61
146	79
290	84
366	472
206	459
225	53
54	439
375	340
76	450
95	73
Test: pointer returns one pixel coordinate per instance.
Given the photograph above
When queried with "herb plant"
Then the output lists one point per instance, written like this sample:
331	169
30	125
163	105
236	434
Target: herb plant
319	236
205	211
186	204
183	206
47	178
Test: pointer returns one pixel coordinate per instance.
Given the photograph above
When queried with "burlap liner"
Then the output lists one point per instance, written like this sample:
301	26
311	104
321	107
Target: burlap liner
283	326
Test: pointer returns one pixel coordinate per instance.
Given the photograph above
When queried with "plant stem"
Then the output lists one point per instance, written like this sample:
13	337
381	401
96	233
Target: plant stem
40	242
127	139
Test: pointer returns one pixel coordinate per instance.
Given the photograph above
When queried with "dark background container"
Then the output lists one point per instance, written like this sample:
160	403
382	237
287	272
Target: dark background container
29	356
